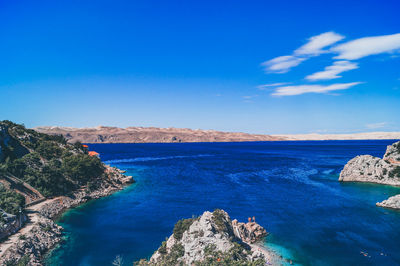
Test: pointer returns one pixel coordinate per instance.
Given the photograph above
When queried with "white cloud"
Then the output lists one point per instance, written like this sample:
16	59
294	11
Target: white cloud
301	89
271	85
333	71
317	43
282	64
363	47
376	125
313	47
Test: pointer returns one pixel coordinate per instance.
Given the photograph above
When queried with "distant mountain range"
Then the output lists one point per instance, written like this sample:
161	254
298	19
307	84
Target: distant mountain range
104	134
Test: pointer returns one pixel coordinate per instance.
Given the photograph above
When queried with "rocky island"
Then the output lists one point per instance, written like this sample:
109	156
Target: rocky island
213	238
40	177
386	170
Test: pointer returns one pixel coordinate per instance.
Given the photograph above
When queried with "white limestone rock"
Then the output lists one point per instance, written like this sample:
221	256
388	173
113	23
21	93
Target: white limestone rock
366	168
217	230
391	203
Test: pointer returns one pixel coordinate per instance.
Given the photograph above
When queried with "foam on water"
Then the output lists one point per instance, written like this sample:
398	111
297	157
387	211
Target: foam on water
146	159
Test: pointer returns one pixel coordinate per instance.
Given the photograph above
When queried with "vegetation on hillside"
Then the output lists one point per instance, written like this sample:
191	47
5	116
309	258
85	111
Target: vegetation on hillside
48	163
395	172
181	226
10	201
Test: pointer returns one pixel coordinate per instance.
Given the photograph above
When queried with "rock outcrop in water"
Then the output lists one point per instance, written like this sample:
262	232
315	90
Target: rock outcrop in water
213	238
366	168
391	203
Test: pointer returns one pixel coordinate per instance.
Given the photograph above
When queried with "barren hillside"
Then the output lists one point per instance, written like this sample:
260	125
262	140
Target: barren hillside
103	134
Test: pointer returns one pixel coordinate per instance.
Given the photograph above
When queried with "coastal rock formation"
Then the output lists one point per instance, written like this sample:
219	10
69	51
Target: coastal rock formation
213	238
115	181
391	203
250	232
366	168
11	223
103	134
40	177
30	248
45	234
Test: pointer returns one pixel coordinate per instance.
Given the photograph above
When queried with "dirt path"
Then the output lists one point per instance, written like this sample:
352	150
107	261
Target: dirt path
33	217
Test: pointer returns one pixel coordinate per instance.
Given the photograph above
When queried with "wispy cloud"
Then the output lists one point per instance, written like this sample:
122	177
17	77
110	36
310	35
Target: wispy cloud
301	89
376	125
313	47
333	71
271	85
343	61
363	47
282	64
315	44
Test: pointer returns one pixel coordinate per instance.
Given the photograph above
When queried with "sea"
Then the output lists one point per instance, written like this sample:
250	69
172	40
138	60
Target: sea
291	187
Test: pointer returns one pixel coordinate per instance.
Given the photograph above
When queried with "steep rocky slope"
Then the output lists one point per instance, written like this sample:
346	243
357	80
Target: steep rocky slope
213	238
366	168
50	175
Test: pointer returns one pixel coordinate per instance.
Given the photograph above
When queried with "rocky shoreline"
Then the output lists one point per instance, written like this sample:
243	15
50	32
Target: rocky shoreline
369	169
45	234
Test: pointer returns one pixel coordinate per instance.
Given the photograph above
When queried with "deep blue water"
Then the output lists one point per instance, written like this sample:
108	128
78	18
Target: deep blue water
290	187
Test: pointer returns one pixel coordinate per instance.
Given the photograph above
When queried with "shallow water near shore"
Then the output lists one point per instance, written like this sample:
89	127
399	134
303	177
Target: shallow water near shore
290	187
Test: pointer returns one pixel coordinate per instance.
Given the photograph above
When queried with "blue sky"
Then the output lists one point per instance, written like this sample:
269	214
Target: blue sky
269	67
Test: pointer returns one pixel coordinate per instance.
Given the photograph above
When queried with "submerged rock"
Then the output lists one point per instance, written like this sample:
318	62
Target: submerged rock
213	238
366	168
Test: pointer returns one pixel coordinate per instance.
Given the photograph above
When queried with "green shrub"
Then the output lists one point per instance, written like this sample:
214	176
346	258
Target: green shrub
395	172
82	168
50	164
10	201
219	220
49	149
23	261
163	248
181	226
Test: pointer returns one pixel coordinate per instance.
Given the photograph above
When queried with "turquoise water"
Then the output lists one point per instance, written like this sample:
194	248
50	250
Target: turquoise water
290	187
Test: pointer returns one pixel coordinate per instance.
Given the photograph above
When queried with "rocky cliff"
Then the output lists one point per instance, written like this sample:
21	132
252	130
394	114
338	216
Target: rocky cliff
366	168
386	170
213	238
